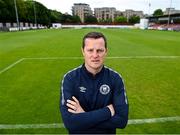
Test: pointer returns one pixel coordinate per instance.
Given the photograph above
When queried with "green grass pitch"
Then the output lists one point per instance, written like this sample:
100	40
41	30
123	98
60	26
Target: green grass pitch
29	90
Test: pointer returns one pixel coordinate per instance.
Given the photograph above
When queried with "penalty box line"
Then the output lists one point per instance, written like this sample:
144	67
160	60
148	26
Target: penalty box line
12	65
61	125
77	58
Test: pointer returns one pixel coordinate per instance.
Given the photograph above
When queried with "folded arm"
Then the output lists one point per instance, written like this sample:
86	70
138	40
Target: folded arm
121	107
81	120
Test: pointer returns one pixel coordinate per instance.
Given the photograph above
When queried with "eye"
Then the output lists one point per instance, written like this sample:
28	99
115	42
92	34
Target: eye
100	50
90	50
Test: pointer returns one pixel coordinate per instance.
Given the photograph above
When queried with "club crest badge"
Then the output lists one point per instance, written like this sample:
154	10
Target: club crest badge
104	89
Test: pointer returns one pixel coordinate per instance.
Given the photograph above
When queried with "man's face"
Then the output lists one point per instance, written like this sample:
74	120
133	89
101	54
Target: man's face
94	53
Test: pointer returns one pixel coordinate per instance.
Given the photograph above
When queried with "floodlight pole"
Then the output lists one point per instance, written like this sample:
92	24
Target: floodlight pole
169	12
35	18
149	4
17	18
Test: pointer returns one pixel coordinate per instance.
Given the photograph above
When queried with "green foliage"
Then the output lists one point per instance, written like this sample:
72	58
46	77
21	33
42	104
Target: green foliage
22	11
66	18
134	19
76	19
105	20
158	12
28	9
55	16
90	19
7	11
42	14
120	19
4	12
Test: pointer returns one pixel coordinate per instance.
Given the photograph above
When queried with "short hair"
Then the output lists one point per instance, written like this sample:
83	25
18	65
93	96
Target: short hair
94	35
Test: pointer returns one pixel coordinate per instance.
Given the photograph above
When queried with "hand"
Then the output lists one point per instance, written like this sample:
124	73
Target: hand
111	108
74	106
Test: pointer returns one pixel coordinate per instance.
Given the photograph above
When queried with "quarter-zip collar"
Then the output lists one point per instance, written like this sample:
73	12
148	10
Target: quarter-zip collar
89	74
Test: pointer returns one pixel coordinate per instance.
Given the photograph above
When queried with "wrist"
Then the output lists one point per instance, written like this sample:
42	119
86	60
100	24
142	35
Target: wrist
111	109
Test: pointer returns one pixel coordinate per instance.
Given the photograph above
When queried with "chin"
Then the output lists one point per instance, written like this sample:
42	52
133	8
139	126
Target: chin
96	66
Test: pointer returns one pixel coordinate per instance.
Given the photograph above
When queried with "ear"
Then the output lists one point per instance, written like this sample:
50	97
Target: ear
82	50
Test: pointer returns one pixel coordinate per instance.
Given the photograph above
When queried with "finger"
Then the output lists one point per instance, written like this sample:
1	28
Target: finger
71	102
75	99
71	106
72	111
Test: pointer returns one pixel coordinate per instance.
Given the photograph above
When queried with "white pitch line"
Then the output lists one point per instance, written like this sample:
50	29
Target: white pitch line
61	125
153	120
52	58
77	58
31	126
144	57
114	57
10	66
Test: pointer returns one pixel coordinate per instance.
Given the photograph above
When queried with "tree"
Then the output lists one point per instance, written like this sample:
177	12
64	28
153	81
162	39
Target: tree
158	12
120	19
4	12
7	11
22	11
134	19
66	18
101	20
90	19
30	11
55	16
109	20
42	13
33	12
105	21
76	19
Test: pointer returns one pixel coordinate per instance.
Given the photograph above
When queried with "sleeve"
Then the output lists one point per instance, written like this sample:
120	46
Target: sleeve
81	121
120	104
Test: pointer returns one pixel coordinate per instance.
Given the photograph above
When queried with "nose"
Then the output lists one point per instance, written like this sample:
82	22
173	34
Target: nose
95	54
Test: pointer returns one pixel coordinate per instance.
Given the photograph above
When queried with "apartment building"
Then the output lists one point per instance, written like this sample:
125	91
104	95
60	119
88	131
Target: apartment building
129	12
105	13
112	13
82	10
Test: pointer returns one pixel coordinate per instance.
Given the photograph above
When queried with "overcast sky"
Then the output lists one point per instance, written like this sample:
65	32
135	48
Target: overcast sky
66	5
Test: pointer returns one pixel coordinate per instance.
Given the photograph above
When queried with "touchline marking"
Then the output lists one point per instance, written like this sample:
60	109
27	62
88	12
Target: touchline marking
114	57
153	120
61	125
32	126
53	58
144	57
78	58
12	65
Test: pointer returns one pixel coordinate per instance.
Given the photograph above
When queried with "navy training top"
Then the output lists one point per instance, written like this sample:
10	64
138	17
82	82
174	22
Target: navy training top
94	93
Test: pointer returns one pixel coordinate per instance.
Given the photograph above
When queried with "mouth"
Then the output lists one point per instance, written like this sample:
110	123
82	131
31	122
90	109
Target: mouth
95	61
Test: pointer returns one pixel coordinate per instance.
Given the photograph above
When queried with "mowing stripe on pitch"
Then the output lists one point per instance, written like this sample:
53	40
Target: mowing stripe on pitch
77	58
61	125
12	65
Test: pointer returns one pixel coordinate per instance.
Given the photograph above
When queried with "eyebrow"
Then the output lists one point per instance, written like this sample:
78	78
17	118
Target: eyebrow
95	49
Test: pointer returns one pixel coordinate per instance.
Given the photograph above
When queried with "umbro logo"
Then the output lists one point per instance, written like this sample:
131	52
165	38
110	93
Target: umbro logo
82	89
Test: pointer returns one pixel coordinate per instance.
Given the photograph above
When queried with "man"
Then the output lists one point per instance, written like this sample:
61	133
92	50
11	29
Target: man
93	99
